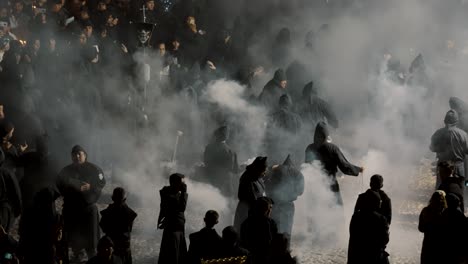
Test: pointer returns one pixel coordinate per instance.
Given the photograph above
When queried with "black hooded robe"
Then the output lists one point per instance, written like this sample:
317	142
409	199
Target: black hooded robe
81	216
221	163
330	157
282	130
272	90
251	187
284	186
314	109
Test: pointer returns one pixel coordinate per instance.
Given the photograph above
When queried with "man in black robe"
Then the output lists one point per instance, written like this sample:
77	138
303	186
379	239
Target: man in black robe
10	197
331	158
273	90
81	184
368	234
258	230
282	130
117	223
251	187
450	143
205	244
449	182
314	109
285	184
172	219
376	184
221	163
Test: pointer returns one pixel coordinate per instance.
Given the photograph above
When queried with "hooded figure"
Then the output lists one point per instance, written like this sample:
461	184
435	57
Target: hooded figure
368	234
330	157
450	143
418	76
284	186
10	197
80	184
221	162
281	47
314	109
282	130
273	90
251	187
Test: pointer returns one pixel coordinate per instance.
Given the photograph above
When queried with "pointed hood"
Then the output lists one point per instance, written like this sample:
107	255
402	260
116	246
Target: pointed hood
288	161
417	64
259	164
309	90
221	134
458	105
280	75
321	133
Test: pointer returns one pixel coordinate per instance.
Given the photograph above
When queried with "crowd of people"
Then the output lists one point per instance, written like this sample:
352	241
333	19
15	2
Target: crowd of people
111	63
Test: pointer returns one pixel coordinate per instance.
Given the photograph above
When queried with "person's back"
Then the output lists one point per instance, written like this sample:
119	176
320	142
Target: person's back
117	223
205	244
376	184
258	229
453	231
430	225
450	143
368	234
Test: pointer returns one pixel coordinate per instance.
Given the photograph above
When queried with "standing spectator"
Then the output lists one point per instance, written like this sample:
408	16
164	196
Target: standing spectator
172	219
205	243
376	184
453	232
81	184
258	230
117	223
368	233
430	225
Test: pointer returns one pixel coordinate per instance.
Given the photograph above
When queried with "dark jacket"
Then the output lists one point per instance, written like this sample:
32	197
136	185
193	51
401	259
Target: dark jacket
257	233
430	224
385	207
204	244
117	223
368	238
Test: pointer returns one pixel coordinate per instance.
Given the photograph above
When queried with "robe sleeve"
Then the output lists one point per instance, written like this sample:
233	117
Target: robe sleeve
345	166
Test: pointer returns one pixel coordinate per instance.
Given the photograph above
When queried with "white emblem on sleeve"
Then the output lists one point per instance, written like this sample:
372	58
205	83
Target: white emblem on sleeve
101	176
